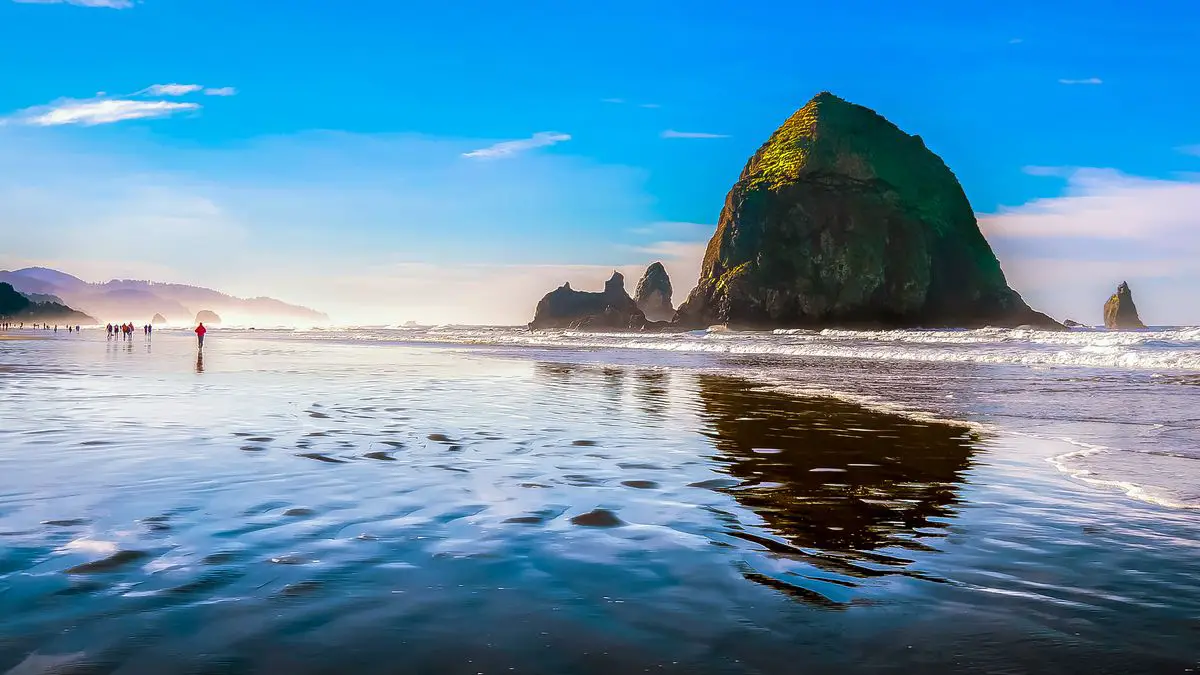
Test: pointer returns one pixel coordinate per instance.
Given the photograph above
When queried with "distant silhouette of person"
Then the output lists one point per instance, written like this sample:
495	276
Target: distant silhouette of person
200	331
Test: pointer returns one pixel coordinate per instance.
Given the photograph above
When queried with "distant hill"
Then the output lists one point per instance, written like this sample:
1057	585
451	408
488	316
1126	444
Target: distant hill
138	300
16	307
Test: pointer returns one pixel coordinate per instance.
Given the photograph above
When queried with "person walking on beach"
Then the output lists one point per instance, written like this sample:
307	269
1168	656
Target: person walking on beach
200	331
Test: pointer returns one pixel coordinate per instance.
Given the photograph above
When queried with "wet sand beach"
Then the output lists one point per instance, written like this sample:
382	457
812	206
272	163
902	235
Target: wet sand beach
279	504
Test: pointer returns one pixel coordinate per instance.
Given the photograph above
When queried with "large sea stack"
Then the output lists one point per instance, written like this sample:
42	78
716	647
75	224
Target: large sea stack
842	219
208	316
653	295
1120	312
611	309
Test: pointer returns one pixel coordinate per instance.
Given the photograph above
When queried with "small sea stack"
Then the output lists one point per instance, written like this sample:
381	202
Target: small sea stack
1119	312
653	294
610	309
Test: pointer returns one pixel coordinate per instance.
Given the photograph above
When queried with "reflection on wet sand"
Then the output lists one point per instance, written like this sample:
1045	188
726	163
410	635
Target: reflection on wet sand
652	391
199	362
833	476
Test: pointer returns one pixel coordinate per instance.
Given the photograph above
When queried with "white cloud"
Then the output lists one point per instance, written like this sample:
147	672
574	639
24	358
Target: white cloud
612	100
111	4
1066	254
1105	204
671	133
1016	41
93	112
220	91
509	148
1090	80
171	89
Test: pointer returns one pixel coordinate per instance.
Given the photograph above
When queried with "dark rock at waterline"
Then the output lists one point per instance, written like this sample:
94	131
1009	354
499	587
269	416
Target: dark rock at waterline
1073	324
842	219
610	309
208	316
653	294
598	518
1120	312
15	306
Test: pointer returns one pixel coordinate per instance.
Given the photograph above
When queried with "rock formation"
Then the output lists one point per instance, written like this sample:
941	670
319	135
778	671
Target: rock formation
611	309
653	294
842	219
1073	324
1120	312
15	306
208	316
158	319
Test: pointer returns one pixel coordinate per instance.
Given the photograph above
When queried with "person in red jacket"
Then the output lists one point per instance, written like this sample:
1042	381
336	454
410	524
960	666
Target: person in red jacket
200	331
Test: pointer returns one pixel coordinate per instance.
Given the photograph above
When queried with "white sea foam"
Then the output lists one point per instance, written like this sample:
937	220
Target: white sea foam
1150	494
1155	350
85	545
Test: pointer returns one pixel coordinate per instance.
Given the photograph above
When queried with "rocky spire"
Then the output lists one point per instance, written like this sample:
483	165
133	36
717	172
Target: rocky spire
1120	312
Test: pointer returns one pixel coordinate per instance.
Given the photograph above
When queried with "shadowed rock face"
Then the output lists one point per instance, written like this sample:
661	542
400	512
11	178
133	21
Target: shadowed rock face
611	309
1120	312
206	316
15	306
158	319
842	219
653	294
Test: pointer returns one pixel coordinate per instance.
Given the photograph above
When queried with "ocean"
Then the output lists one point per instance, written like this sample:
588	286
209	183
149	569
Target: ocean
491	500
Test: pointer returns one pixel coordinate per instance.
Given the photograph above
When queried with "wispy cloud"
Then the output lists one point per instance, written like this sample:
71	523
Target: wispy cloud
171	89
1090	80
671	133
509	148
1190	150
96	111
676	230
110	4
1106	204
1016	41
1049	171
621	101
220	91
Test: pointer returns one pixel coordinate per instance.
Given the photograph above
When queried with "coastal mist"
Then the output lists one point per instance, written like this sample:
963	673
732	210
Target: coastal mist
469	501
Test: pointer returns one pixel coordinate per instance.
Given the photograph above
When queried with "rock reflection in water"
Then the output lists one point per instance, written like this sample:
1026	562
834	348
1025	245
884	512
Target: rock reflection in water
830	475
653	390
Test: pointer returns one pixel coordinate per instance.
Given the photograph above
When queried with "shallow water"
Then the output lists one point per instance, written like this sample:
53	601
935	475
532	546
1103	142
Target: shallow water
289	504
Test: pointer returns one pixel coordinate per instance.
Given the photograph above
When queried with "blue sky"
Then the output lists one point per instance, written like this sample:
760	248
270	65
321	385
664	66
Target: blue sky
344	137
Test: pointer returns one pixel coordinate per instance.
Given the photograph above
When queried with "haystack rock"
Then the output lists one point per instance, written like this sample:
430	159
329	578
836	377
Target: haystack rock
158	319
611	309
653	295
842	219
1120	312
208	316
